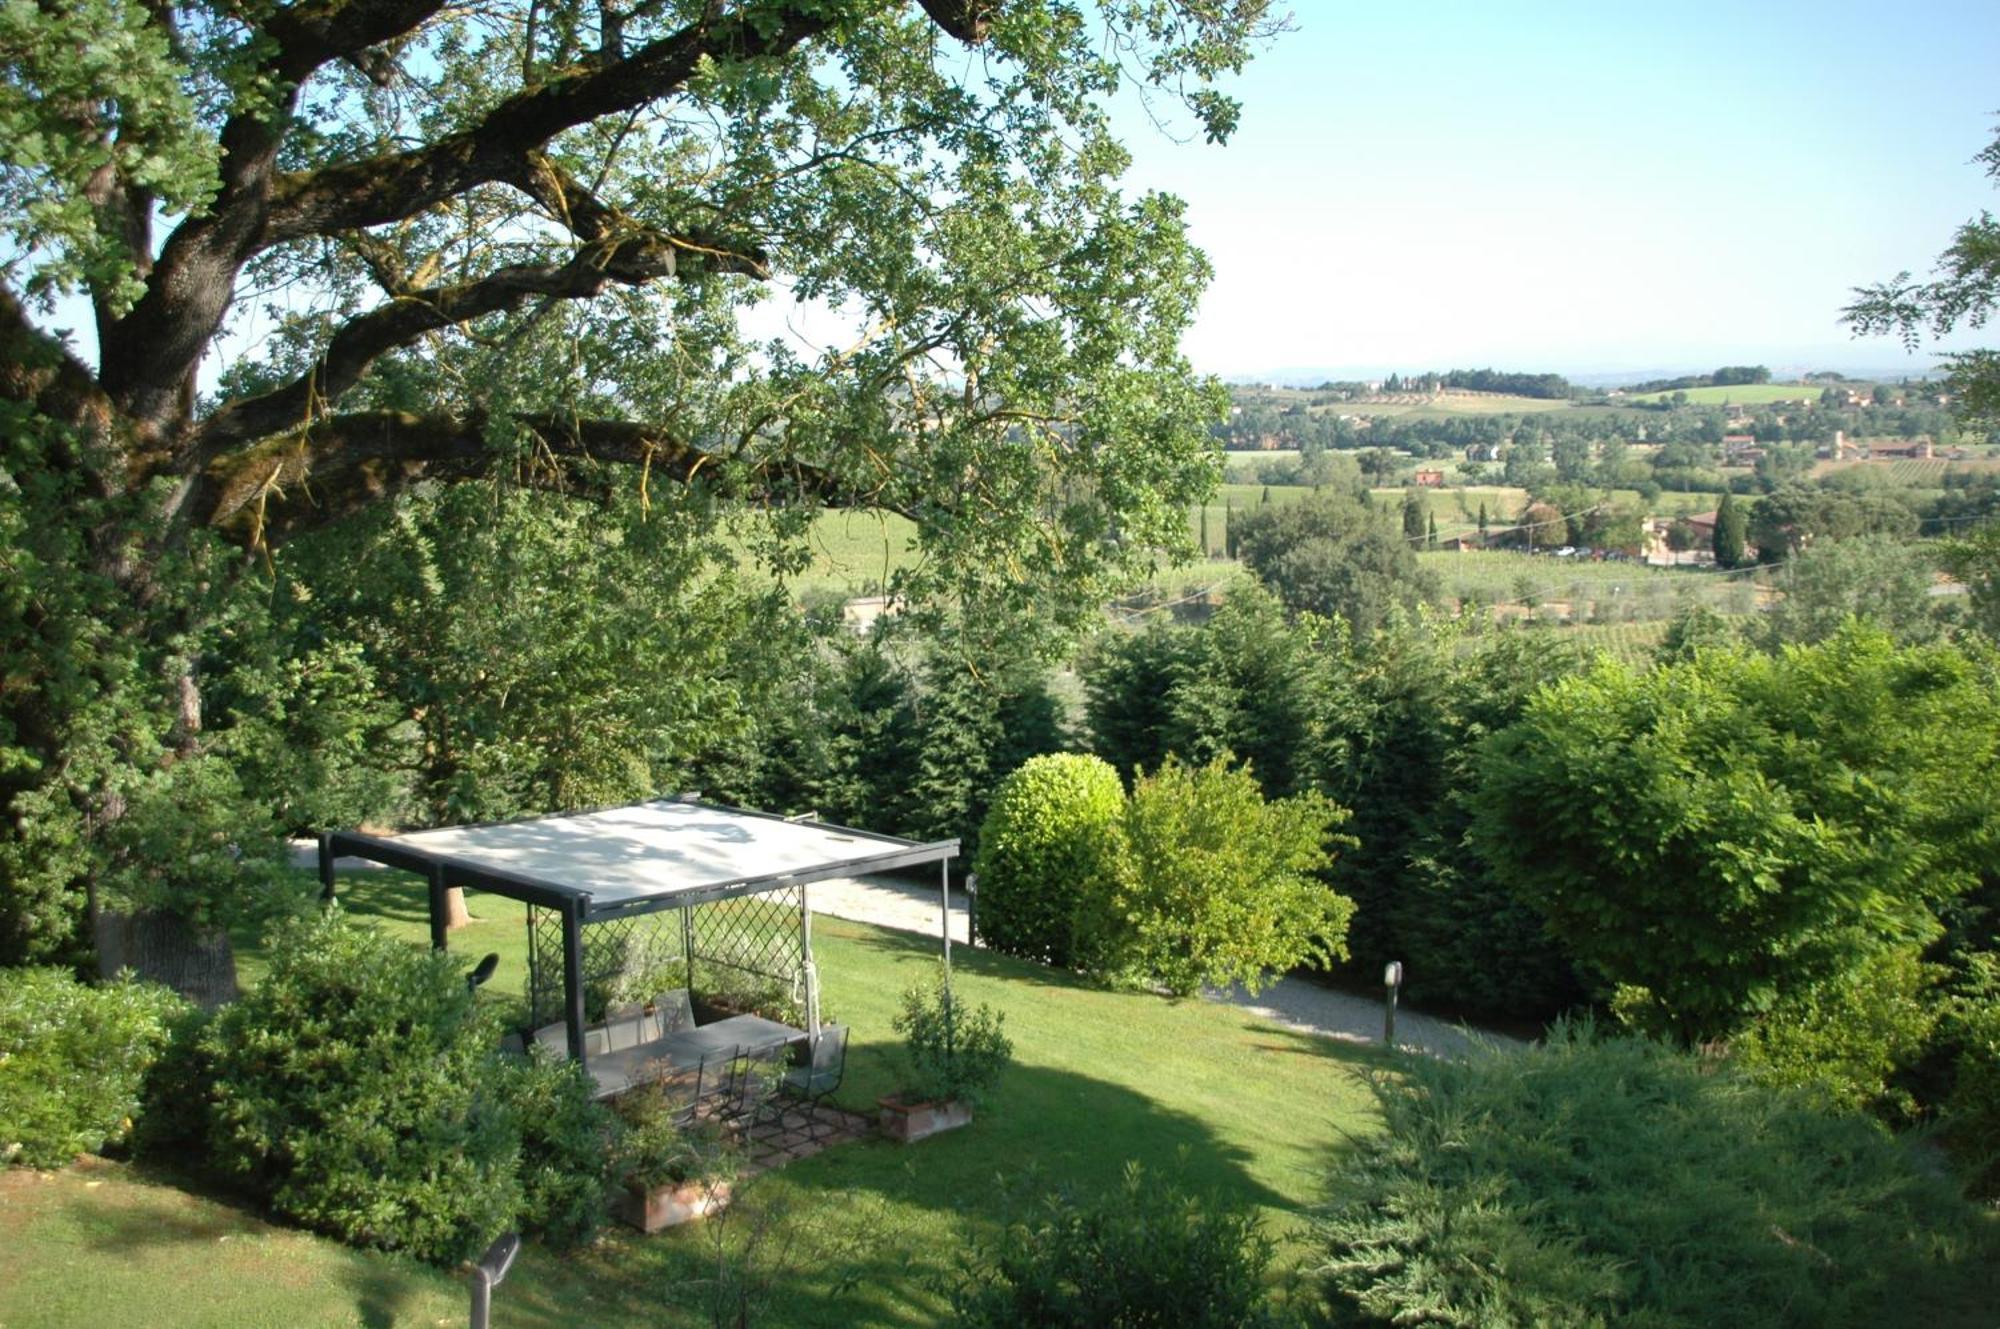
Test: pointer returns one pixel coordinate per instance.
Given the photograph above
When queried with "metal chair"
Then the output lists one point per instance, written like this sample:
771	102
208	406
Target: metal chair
815	1081
672	1012
753	1077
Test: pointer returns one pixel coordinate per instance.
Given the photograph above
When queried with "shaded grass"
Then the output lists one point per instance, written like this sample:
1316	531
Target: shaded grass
1235	1105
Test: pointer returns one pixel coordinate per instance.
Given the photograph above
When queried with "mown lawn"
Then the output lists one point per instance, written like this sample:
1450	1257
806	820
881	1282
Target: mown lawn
1238	1106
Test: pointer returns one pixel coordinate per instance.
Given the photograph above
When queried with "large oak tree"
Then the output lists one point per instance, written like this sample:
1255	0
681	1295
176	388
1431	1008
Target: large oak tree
516	240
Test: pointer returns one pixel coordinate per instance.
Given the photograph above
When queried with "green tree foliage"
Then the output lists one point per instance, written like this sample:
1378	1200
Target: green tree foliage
1974	559
1844	1040
73	1059
952	1050
1144	1254
1249	683
1413	517
1788	519
1731	533
1696	626
1330	556
1401	745
1047	859
1873	577
1972	1033
1962	294
360	1089
559	308
1726	830
1596	1181
519	640
1390	727
1218	886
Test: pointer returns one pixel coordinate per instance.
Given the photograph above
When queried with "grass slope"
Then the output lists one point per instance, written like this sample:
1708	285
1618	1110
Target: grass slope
1742	394
1256	1112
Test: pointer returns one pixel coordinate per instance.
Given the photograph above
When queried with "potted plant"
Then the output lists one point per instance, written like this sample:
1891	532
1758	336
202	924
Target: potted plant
670	1173
953	1054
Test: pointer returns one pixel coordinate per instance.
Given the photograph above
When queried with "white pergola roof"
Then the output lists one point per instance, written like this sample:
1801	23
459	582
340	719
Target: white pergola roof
647	855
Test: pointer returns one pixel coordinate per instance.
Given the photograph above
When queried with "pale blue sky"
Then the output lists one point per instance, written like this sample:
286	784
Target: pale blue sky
1581	187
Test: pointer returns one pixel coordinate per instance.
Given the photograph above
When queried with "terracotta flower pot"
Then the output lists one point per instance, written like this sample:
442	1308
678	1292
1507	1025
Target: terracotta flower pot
911	1121
651	1210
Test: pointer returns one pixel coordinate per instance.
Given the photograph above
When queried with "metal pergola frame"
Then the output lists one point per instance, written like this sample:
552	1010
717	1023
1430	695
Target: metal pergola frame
578	907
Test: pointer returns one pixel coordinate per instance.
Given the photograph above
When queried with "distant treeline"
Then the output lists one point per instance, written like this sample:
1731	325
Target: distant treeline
1552	386
1728	376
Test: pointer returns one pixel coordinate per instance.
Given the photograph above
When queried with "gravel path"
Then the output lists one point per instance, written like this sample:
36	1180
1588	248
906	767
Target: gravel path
1293	1002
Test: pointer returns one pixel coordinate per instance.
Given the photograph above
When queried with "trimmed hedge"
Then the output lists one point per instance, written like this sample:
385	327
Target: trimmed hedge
1620	1181
73	1060
1047	856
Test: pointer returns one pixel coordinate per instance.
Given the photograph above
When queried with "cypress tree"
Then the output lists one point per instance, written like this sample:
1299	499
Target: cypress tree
1205	550
1729	528
1432	537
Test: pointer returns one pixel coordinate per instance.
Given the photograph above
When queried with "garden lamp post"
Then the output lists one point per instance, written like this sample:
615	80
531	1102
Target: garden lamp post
487	1275
1392	982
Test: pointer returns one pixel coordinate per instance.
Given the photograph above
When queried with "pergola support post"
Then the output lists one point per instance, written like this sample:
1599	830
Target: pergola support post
440	908
808	970
687	944
325	868
944	872
572	930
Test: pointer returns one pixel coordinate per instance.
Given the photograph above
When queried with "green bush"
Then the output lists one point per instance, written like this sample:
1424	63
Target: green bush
1619	1181
1146	1254
1047	852
1972	1112
1217	885
654	1149
565	1142
73	1059
1842	1040
355	1088
953	1050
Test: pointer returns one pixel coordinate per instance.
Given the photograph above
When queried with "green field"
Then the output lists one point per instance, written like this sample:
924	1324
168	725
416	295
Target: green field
1257	1112
1609	594
1912	473
1480	403
1741	394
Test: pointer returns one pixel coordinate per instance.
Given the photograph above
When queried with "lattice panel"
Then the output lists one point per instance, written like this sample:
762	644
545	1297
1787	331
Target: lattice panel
624	960
753	935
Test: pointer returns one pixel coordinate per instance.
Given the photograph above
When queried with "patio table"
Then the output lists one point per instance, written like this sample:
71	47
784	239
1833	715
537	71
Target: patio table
685	1048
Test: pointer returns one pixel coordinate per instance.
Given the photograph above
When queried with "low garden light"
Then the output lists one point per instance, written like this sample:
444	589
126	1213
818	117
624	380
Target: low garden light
1392	982
488	1274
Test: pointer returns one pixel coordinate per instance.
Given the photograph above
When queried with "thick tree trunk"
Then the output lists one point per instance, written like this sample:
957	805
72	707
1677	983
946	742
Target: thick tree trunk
198	963
456	915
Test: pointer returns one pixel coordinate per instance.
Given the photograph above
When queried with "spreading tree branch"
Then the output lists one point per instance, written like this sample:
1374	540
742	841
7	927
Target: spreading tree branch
342	464
632	258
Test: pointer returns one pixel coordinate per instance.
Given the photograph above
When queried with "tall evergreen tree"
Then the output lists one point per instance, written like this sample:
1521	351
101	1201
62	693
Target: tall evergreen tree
1730	524
1413	516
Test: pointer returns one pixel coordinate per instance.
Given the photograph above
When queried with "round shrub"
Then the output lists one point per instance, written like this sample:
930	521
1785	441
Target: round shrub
354	1089
1047	858
73	1059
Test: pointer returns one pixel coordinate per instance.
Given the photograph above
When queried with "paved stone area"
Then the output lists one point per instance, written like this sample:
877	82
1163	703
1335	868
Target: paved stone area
773	1142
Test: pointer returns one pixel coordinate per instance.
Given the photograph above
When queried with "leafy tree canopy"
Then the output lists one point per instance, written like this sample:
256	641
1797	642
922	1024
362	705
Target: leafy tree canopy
1729	828
1963	293
518	241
